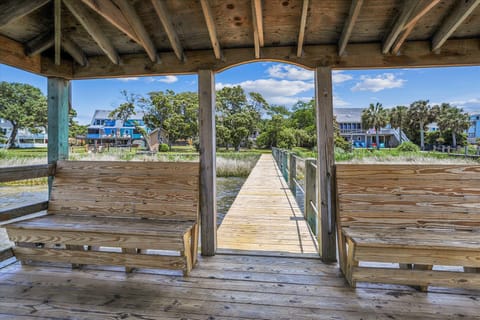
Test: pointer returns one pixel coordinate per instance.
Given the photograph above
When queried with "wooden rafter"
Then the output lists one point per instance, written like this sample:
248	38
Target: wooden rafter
134	20
74	51
212	30
349	24
165	19
40	43
407	10
257	11
88	21
58	30
462	10
303	25
256	38
11	10
421	10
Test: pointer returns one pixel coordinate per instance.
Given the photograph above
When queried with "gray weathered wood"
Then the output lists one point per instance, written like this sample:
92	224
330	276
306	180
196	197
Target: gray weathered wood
462	10
74	51
407	10
40	43
26	172
208	207
310	193
212	30
349	24
165	19
58	30
59	103
292	172
303	25
88	21
325	163
13	213
6	254
11	10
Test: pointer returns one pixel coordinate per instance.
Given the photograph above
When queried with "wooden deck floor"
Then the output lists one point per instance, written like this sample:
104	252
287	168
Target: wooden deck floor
220	287
265	218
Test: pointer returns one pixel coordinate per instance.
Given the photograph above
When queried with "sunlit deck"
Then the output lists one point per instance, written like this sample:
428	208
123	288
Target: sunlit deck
220	287
265	218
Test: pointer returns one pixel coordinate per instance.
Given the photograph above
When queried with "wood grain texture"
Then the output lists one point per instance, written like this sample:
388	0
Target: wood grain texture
26	172
265	218
13	213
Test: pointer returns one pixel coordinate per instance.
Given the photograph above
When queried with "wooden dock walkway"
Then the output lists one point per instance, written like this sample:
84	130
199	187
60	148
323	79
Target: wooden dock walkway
265	219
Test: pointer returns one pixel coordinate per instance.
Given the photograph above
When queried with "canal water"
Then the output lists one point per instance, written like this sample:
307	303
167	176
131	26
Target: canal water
14	196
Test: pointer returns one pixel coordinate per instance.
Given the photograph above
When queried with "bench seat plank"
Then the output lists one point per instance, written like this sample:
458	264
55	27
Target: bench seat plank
129	226
414	237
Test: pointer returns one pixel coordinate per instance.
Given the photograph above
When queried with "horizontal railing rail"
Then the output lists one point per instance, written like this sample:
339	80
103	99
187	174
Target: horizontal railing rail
8	174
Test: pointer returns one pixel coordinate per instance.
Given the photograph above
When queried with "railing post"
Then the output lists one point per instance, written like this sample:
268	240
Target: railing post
292	173
285	165
310	193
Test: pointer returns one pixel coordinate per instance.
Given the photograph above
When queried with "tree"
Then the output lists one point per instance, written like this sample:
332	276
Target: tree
453	120
24	106
125	110
420	115
74	128
376	117
398	119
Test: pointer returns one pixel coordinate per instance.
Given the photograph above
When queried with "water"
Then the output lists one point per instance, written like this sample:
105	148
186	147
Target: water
15	196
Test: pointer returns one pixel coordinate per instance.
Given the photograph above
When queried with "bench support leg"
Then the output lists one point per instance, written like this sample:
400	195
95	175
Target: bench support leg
351	263
187	252
422	267
194	244
471	269
342	251
76	248
130	251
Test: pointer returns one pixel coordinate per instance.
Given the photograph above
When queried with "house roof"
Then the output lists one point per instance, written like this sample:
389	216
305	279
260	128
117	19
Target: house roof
112	38
348	115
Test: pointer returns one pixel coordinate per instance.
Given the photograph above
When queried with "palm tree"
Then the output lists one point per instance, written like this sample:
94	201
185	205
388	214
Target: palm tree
375	116
398	116
420	113
453	119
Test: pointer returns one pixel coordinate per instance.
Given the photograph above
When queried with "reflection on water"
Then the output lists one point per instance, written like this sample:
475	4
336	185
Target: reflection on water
227	190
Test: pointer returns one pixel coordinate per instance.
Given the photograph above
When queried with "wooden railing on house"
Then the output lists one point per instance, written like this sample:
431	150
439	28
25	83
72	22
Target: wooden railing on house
300	173
10	174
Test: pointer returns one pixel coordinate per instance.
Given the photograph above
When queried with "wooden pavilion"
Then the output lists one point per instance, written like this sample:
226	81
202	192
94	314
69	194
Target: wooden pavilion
67	40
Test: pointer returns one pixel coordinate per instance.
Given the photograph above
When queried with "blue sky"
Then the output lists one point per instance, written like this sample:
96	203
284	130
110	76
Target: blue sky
285	84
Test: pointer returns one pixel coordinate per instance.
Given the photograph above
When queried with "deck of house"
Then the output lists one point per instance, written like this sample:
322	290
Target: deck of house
267	268
265	218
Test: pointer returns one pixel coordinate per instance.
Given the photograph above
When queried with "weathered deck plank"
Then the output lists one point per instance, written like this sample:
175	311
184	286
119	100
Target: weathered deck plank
265	218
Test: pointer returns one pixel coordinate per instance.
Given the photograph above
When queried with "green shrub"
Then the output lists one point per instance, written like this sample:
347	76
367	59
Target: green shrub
163	147
3	154
408	147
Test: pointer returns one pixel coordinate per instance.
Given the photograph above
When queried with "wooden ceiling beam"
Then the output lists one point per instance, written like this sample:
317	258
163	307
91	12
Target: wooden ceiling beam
13	54
88	21
74	51
212	30
407	10
11	10
303	25
258	12
58	30
165	19
349	24
256	37
40	43
462	52
421	10
134	20
461	11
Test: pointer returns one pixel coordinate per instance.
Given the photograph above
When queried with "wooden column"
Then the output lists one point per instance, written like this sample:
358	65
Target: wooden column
208	193
59	101
325	164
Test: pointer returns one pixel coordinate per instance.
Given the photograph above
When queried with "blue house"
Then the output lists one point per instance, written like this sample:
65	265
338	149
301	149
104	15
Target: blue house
104	129
473	132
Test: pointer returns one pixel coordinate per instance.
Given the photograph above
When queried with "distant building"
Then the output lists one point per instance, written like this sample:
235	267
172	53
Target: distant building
432	127
350	123
25	138
473	133
105	130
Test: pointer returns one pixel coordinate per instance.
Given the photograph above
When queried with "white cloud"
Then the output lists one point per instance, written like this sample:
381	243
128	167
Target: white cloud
168	79
273	90
340	76
378	83
128	79
289	72
339	102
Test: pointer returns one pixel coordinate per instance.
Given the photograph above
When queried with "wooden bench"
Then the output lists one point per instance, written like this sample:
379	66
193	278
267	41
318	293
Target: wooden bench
416	216
132	214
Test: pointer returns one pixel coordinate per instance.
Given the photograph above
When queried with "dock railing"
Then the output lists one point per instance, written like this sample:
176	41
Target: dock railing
10	174
300	174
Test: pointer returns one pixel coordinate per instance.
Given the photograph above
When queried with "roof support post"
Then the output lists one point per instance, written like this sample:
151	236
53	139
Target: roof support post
208	204
59	101
325	164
